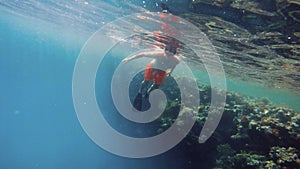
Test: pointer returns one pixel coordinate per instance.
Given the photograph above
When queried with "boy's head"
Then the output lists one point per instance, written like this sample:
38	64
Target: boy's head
172	45
171	49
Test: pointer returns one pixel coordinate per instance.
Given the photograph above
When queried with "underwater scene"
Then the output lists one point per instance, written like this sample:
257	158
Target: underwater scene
150	84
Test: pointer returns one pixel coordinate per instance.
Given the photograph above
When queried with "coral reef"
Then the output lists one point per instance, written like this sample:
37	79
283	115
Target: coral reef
253	133
263	123
285	157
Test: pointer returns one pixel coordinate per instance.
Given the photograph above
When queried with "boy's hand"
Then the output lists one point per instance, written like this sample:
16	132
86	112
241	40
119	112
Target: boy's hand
125	60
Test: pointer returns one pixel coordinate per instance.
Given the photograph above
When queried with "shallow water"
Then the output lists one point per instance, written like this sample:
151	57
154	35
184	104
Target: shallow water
39	127
38	124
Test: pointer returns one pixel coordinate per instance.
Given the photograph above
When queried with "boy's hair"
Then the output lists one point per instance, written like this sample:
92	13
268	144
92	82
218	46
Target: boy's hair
172	45
171	49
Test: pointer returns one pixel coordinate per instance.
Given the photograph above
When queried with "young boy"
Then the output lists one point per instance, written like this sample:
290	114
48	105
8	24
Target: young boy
166	60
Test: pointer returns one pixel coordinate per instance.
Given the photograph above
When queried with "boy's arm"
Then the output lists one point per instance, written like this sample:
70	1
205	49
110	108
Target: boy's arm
132	57
153	54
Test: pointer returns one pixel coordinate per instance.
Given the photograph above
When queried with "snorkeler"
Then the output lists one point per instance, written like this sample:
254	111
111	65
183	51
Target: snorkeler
166	60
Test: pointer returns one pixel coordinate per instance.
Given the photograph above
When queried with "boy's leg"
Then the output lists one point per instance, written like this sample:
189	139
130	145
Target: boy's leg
152	87
138	101
144	87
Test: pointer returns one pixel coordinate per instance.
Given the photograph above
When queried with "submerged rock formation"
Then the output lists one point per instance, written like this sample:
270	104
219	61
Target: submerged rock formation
253	133
258	40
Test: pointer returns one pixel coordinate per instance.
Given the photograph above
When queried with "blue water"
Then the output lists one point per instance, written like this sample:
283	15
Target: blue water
279	97
38	123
